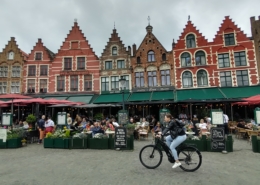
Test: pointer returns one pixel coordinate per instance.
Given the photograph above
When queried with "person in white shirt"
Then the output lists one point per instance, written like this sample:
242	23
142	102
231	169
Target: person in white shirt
202	124
115	123
225	120
144	123
49	125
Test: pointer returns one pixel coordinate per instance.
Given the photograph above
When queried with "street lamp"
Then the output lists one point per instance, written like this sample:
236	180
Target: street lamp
122	84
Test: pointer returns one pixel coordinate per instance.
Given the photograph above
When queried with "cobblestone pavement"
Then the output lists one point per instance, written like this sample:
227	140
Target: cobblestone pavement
34	165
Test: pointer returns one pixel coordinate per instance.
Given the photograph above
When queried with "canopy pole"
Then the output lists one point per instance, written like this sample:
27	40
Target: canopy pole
18	112
12	107
143	111
231	111
45	110
190	111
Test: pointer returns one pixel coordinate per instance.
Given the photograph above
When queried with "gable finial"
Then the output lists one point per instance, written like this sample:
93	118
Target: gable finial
148	20
189	18
75	20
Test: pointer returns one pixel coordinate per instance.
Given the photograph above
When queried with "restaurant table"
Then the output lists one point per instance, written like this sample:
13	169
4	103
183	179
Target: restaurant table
110	133
190	133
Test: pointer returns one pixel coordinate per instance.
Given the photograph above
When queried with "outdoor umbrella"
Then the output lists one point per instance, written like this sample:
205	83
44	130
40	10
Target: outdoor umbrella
13	96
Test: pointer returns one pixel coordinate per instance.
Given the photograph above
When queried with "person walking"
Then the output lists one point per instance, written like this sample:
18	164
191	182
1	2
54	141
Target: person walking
41	127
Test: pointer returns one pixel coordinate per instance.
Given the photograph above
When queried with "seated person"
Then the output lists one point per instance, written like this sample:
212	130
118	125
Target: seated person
202	124
88	126
109	124
84	123
241	124
144	123
157	128
96	129
114	122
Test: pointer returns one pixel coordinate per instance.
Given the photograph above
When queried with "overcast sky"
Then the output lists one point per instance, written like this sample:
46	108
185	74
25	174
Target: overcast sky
51	20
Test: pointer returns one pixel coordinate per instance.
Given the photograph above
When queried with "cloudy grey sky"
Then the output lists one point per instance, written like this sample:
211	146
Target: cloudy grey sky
51	20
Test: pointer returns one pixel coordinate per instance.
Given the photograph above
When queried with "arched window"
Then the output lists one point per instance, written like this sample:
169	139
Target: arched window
114	50
138	60
11	55
202	78
163	57
150	56
190	41
200	58
185	60
187	79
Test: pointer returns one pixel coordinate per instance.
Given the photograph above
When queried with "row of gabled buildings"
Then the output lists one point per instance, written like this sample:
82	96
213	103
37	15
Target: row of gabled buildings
228	67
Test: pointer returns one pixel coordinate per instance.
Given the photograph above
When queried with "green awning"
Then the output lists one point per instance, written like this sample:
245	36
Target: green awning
82	99
140	96
162	95
199	94
240	92
57	97
111	98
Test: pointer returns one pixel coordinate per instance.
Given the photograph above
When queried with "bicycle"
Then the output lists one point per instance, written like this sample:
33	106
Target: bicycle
184	151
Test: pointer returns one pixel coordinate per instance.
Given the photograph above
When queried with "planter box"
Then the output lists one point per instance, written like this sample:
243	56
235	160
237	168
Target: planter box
48	143
255	144
201	145
2	144
95	143
77	143
129	144
61	143
14	143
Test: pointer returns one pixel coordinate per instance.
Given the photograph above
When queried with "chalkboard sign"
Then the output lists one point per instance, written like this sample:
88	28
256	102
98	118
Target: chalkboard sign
257	115
217	139
217	117
122	117
61	118
162	115
7	119
120	137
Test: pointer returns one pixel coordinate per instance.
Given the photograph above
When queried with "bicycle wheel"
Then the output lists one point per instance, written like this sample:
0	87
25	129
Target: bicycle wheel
150	156
190	159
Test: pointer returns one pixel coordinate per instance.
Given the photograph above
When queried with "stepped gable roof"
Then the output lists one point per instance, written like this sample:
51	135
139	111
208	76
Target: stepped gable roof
76	34
114	38
190	28
50	54
228	26
11	42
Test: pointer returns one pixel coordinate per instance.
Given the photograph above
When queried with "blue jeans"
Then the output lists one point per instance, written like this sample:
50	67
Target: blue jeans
173	143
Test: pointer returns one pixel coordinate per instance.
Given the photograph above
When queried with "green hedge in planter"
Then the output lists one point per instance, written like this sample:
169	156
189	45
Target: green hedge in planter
95	143
2	144
61	143
78	143
48	143
14	143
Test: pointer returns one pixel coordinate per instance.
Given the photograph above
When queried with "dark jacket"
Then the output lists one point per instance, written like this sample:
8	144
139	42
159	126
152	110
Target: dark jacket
41	124
172	125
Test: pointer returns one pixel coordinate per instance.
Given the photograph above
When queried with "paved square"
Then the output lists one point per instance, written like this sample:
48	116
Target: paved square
34	165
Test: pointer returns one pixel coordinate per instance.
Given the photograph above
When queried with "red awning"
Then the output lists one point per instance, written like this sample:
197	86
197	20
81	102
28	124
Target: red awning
14	96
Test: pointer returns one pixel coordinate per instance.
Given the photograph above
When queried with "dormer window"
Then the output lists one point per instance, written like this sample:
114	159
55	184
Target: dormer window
114	50
190	41
38	56
151	57
11	55
229	39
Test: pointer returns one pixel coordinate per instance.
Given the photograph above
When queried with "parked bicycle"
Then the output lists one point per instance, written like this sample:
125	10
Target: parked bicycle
151	155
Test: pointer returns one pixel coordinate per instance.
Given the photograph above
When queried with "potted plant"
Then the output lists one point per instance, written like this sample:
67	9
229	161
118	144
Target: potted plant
14	137
23	142
98	116
99	141
31	119
79	141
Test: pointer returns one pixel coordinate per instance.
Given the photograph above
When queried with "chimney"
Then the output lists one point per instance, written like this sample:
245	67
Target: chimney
173	44
134	49
129	51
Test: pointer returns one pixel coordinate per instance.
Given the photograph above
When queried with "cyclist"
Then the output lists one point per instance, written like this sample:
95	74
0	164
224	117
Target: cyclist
174	125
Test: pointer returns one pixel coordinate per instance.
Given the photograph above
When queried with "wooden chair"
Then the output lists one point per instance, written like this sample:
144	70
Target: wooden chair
143	133
240	132
252	133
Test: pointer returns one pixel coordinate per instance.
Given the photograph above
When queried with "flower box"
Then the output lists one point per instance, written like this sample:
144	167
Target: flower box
77	143
61	143
14	143
48	143
95	143
129	143
2	144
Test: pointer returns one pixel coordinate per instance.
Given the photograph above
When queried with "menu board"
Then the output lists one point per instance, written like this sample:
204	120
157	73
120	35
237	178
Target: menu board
122	117
3	134
257	115
120	137
62	118
7	119
217	117
217	139
162	115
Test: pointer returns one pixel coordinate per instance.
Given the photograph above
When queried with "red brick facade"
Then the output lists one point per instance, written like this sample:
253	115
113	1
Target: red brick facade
37	69
75	68
227	61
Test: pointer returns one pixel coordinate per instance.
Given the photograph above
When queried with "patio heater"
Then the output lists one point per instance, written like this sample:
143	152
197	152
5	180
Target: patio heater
122	82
